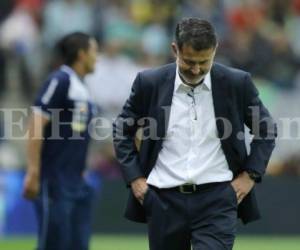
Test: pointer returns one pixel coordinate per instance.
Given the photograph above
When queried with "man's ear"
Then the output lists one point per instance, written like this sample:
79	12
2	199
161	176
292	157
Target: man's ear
174	49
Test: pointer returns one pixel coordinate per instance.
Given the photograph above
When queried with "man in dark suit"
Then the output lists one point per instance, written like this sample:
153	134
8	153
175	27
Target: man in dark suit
192	177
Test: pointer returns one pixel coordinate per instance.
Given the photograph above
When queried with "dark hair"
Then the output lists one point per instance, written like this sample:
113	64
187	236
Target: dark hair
198	33
67	48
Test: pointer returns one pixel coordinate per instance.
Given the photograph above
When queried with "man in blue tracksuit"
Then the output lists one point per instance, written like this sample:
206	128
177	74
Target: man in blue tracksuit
57	148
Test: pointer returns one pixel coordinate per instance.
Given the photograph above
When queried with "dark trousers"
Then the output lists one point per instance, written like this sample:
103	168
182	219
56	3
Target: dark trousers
205	220
63	223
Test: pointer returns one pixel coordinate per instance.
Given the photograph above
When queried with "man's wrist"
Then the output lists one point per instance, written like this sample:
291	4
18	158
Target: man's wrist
139	179
253	175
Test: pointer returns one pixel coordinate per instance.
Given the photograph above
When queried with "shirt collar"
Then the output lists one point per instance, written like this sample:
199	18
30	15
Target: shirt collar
70	71
206	85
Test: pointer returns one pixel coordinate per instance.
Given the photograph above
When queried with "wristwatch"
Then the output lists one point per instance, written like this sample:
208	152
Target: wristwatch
256	177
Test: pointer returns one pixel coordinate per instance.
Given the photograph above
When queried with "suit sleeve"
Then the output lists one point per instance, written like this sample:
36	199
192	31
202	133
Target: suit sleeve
124	131
262	127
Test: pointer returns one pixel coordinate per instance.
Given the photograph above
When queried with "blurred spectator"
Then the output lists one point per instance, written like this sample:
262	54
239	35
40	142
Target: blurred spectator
142	11
292	27
19	31
66	16
243	46
33	6
119	26
145	12
284	64
19	36
111	81
261	45
6	7
212	10
155	44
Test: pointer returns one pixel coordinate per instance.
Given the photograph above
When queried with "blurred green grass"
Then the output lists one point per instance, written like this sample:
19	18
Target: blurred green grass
121	242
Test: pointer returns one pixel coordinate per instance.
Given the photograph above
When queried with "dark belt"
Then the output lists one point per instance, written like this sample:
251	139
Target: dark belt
192	188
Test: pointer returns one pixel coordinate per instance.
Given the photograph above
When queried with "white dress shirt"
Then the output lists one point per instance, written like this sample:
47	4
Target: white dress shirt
191	151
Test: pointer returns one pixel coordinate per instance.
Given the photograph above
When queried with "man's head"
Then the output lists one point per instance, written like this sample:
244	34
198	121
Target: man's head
78	50
194	47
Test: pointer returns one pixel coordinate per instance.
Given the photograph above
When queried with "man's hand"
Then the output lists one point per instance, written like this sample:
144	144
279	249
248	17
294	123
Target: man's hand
139	188
31	186
242	185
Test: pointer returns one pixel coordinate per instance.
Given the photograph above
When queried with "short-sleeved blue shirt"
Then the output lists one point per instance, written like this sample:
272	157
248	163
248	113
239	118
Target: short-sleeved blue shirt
65	100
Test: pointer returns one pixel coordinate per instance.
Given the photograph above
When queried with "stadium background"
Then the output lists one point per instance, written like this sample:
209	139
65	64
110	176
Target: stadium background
260	36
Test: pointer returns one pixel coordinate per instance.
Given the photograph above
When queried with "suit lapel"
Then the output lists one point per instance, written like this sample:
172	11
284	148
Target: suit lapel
162	109
164	101
220	94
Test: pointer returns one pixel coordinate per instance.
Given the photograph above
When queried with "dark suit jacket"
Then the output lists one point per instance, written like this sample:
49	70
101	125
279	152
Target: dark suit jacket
234	98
